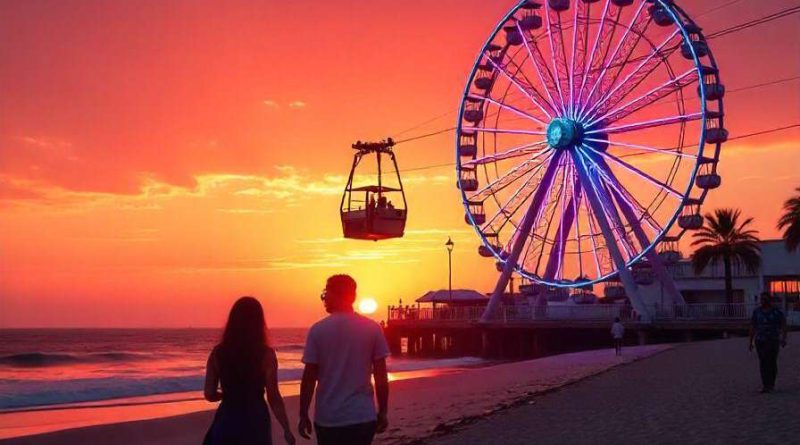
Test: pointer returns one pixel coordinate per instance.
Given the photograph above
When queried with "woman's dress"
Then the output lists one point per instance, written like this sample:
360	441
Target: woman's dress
242	417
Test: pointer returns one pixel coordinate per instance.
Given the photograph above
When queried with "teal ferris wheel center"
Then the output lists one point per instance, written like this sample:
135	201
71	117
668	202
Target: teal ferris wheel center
564	133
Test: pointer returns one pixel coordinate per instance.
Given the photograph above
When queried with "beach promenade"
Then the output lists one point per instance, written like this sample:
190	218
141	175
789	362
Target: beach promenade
698	393
703	392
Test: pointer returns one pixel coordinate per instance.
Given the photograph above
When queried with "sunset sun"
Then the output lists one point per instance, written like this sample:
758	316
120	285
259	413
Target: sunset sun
367	305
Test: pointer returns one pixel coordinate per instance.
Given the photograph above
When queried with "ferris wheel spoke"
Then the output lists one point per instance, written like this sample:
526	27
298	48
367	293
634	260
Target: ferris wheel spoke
580	35
543	72
517	199
555	259
608	177
637	172
522	89
510	108
648	98
602	189
520	236
627	43
517	202
508	131
665	151
636	126
593	232
555	197
648	64
520	150
611	244
576	206
605	33
510	177
556	39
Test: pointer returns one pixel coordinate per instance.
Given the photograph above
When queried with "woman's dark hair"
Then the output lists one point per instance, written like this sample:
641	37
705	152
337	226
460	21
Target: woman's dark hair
244	341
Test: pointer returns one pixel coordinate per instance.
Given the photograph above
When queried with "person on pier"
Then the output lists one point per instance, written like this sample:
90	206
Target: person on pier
617	333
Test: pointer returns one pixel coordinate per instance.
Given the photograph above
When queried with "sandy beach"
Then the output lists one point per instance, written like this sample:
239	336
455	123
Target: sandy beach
420	407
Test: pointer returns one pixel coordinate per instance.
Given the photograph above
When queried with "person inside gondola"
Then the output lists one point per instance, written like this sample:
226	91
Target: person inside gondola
382	202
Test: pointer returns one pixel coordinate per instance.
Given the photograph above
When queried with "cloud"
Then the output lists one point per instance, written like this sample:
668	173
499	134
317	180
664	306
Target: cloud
46	143
297	104
271	104
288	187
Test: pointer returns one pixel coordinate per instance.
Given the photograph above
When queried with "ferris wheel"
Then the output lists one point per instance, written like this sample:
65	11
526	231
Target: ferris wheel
589	132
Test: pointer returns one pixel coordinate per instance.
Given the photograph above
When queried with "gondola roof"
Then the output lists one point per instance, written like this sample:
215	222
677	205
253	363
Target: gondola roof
375	189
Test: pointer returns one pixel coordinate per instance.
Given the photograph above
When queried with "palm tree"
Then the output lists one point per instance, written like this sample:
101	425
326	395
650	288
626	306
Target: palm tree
722	238
790	222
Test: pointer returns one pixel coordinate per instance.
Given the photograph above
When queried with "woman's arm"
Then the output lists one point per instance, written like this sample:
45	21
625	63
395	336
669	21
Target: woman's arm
211	391
274	394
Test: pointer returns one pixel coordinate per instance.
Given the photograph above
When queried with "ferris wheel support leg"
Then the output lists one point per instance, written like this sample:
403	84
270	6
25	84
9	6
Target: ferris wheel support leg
619	262
641	236
522	236
652	256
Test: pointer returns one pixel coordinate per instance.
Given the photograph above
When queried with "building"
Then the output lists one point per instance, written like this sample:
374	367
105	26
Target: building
779	274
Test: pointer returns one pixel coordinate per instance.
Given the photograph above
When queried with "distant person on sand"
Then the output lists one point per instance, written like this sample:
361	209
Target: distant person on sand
342	351
768	334
244	366
617	333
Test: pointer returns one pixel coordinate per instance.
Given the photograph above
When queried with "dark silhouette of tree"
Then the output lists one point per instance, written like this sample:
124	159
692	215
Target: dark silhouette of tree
723	238
790	222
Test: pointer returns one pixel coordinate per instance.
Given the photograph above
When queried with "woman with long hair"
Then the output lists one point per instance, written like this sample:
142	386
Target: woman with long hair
239	371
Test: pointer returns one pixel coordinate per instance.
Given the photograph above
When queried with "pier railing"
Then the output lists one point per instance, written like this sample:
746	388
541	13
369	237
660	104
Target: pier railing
576	312
704	311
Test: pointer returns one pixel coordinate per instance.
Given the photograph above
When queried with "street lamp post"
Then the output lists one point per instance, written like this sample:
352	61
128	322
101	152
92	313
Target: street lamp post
449	244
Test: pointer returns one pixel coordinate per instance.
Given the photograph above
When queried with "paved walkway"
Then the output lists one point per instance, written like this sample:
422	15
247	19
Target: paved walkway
698	393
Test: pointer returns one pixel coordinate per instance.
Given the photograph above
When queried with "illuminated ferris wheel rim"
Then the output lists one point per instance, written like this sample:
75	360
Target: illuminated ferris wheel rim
575	124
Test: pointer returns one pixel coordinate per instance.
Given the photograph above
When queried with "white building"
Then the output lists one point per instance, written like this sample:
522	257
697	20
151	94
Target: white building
779	274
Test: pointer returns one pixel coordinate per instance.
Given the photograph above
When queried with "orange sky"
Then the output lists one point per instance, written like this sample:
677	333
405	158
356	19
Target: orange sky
159	159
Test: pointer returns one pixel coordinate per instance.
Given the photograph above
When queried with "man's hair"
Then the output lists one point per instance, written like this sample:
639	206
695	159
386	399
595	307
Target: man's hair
342	285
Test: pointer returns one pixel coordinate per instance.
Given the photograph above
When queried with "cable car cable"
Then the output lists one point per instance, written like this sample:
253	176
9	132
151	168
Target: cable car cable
757	133
720	33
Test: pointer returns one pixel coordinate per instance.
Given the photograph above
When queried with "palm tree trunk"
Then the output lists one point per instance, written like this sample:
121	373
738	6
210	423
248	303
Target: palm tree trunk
728	279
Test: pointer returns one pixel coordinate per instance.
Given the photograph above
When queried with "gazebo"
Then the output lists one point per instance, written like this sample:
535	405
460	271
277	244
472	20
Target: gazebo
459	297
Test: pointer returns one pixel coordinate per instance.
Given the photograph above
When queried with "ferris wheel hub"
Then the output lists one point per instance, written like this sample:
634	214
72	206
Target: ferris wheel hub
564	133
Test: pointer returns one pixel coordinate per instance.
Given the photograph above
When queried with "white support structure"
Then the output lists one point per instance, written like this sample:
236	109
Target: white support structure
619	262
652	257
522	235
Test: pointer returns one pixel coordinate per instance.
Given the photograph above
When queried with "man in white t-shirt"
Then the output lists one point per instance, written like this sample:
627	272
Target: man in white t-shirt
618	332
342	352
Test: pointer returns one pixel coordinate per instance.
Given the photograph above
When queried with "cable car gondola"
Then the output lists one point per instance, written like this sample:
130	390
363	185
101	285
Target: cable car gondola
373	211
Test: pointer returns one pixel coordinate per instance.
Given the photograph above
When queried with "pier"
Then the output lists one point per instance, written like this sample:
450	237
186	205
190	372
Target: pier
528	332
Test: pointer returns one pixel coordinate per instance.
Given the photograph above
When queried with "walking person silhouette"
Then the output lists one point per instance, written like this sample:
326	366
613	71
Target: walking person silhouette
342	352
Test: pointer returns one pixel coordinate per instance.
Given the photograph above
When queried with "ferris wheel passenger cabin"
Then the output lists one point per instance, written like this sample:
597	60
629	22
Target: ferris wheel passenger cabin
374	211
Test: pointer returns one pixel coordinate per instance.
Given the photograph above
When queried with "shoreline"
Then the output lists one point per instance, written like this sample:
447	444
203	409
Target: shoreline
421	406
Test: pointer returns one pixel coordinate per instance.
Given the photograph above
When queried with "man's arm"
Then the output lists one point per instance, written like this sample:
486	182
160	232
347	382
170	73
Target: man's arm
381	392
753	322
307	386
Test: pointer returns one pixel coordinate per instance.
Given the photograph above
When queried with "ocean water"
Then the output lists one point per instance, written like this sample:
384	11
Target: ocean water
44	367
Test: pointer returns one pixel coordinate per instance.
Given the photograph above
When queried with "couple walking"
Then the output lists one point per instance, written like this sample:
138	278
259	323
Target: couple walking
343	351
